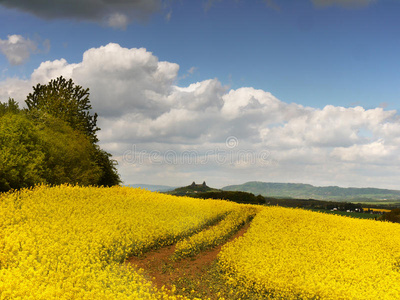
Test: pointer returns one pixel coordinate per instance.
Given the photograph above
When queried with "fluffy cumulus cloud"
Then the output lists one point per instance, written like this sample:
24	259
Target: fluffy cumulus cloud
17	49
375	152
161	132
116	14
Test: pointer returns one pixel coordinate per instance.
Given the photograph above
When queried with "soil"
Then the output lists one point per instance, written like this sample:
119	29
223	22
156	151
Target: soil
162	271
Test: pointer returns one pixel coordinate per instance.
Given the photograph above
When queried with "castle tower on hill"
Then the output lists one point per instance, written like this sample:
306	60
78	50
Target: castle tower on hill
199	185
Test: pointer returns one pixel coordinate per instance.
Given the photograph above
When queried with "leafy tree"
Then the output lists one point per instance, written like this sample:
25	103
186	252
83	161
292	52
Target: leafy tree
21	161
68	154
392	216
64	100
53	141
9	107
235	196
45	151
110	174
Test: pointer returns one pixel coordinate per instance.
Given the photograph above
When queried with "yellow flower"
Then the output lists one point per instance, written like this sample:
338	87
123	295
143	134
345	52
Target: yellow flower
68	242
298	254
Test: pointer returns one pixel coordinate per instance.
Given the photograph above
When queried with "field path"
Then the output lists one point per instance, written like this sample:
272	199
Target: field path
162	271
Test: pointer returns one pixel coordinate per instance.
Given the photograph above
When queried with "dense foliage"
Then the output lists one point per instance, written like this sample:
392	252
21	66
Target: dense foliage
235	196
48	151
392	216
66	101
11	106
192	190
311	203
53	141
21	162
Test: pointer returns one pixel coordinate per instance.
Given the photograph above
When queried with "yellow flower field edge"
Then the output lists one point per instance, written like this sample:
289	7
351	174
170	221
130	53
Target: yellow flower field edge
67	242
376	209
215	235
298	254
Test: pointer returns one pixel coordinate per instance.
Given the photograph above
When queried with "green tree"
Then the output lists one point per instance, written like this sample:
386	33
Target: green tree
109	176
392	216
64	100
9	107
68	154
21	160
45	151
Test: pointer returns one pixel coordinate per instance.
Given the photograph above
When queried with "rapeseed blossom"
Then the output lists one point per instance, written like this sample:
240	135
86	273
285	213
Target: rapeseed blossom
298	254
215	235
68	242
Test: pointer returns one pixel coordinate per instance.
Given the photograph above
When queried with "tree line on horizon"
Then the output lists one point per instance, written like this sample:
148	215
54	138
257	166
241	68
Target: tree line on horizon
52	141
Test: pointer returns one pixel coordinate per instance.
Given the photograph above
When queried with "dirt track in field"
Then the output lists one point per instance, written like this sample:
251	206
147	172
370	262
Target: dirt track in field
162	271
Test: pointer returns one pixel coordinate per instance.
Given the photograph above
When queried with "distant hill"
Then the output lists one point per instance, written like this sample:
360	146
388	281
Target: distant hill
307	191
192	189
153	188
203	191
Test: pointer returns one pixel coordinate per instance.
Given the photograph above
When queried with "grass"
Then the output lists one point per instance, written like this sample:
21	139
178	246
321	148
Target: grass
381	203
348	214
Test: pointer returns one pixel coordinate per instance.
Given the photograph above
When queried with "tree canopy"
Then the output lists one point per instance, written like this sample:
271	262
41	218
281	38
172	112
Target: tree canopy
11	106
53	141
44	152
64	100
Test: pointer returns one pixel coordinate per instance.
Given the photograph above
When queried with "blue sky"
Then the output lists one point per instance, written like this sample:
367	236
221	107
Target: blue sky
299	51
310	53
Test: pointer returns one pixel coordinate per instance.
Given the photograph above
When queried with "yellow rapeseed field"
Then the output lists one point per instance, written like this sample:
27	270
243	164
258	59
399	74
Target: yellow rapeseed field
215	235
298	254
377	209
68	242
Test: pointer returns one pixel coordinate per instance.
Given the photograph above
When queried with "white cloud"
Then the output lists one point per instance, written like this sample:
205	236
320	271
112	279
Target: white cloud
330	127
245	101
52	69
141	106
374	152
17	49
118	21
15	88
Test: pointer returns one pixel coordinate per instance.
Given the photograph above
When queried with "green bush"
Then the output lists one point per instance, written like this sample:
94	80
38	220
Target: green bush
392	216
21	160
44	151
